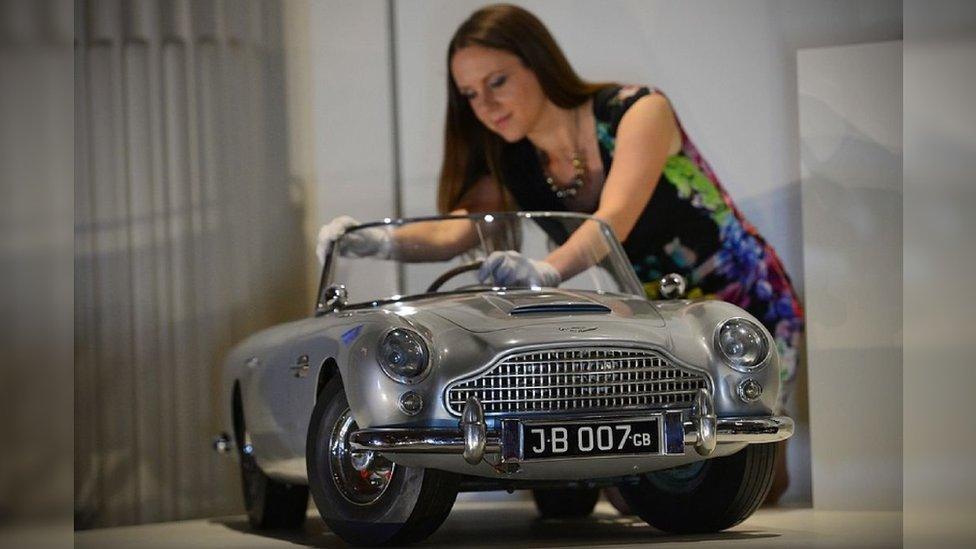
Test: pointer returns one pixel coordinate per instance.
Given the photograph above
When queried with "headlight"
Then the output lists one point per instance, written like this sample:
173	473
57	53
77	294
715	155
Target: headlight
742	344
403	355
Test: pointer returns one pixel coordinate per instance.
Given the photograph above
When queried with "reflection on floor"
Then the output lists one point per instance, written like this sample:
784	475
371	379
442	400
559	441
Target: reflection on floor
515	524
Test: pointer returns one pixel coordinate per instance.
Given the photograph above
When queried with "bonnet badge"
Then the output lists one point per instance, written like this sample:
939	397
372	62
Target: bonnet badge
577	329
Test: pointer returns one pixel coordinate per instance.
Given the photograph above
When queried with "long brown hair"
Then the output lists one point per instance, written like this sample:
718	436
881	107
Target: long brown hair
471	149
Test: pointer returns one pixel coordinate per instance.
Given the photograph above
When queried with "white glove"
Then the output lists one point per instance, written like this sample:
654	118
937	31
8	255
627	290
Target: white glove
512	269
371	242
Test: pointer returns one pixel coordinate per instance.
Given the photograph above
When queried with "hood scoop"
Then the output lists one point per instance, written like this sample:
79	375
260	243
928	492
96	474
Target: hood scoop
565	308
558	302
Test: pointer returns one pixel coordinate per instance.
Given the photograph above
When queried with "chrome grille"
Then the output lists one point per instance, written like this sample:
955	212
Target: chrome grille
589	379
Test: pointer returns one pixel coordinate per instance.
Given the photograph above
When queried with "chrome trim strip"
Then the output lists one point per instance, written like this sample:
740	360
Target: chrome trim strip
747	429
419	441
750	430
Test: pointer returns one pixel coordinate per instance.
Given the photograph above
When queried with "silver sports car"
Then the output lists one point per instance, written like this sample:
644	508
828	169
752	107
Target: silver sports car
385	406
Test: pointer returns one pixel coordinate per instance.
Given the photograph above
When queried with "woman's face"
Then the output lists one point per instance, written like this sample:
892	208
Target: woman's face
503	93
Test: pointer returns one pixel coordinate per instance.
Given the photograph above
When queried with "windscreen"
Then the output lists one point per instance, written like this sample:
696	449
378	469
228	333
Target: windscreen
382	261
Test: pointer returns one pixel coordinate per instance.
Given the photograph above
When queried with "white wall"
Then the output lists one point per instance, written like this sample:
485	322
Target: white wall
850	137
351	109
939	333
728	67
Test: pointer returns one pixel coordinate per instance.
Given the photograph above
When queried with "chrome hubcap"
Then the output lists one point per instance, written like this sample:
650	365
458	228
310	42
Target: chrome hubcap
362	461
361	477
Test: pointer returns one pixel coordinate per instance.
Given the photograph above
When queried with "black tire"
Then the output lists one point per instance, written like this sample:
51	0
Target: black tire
270	504
706	496
413	504
565	502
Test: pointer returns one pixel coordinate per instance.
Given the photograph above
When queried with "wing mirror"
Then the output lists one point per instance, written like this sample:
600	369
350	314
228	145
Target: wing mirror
673	286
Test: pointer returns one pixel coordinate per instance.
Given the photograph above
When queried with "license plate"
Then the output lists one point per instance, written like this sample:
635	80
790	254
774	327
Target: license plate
564	440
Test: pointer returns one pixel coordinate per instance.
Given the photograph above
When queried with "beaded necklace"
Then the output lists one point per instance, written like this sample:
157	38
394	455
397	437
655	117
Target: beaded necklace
572	188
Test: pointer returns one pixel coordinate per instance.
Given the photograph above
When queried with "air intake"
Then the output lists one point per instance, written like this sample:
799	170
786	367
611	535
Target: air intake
559	308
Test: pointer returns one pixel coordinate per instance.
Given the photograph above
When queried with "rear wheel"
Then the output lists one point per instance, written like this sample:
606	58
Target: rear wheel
705	496
270	504
565	502
365	498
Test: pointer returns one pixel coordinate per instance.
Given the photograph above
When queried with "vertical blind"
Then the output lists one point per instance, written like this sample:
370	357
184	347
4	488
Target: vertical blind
187	239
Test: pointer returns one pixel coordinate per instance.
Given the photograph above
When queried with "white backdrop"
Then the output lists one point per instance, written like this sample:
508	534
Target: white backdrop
728	67
851	152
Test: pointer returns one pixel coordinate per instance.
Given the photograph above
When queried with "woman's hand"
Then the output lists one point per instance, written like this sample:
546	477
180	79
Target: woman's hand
514	269
372	242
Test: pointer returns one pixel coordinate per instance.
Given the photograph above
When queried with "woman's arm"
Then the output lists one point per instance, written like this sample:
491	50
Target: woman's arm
434	240
442	240
644	139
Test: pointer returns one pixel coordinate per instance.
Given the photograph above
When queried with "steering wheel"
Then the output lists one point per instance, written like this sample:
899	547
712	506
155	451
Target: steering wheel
460	269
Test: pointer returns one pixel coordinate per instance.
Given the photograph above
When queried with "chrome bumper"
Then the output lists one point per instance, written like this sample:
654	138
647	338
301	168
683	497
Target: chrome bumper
471	439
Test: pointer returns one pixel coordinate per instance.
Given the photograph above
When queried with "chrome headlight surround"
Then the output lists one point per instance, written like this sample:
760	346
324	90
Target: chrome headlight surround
742	344
403	355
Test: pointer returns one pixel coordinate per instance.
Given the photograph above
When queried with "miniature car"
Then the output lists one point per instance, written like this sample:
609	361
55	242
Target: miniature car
385	406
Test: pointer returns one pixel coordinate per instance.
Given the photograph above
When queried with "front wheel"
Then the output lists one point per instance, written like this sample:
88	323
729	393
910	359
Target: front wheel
705	496
365	498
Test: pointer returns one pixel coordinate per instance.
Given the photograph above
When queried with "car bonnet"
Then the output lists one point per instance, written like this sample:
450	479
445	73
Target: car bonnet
503	310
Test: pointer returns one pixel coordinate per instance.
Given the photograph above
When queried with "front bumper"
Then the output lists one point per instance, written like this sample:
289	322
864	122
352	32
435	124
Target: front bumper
702	430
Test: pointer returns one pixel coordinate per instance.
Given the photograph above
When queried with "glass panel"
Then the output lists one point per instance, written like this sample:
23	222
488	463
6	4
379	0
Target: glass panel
443	254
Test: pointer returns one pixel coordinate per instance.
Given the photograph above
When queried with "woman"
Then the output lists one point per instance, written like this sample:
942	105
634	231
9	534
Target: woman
524	131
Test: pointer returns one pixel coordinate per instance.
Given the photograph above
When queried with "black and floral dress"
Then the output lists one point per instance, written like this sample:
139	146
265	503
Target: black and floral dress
690	226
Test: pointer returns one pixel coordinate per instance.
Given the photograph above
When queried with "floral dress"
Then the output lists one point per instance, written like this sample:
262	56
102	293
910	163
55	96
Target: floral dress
690	226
